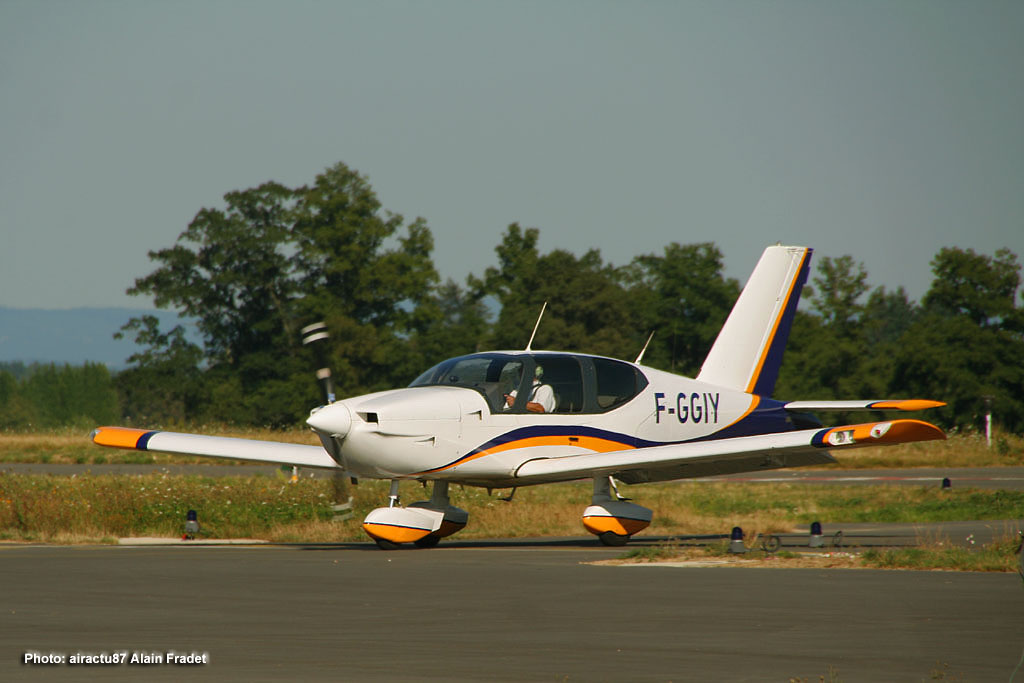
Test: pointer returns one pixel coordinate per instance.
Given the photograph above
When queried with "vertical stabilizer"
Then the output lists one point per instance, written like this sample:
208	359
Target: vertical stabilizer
748	351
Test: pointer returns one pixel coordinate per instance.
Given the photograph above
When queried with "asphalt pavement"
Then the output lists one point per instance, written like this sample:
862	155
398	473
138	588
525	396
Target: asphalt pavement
491	612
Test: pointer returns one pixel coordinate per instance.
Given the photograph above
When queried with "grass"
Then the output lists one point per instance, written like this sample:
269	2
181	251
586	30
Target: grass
102	508
1002	555
43	507
59	509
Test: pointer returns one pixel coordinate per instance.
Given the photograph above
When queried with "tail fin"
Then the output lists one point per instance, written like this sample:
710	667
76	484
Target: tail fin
748	351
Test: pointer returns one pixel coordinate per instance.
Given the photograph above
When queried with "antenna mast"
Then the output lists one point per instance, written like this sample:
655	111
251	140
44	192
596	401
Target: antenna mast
536	325
644	350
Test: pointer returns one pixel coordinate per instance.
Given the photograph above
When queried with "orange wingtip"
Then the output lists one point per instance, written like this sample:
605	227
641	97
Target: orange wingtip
907	404
878	434
118	437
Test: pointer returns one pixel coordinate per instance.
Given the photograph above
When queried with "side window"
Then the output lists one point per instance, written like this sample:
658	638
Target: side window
563	374
617	383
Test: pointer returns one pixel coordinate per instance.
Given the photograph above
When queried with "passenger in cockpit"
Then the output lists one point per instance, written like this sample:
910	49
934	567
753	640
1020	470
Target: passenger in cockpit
542	396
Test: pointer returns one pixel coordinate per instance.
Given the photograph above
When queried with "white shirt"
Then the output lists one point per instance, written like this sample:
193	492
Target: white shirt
542	394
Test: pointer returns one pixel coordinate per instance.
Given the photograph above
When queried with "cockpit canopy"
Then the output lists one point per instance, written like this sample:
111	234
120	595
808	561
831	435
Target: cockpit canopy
581	384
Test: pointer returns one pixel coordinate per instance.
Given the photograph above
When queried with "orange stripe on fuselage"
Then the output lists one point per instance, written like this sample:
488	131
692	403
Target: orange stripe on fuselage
754	402
118	437
775	327
590	443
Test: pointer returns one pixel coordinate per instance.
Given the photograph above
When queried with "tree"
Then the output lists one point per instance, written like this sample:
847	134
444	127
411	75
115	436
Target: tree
71	395
163	383
275	259
15	411
373	298
829	356
587	307
458	325
968	343
682	296
838	288
979	287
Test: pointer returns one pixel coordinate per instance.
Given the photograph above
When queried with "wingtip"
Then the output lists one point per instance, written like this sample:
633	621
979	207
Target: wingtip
907	404
878	434
118	437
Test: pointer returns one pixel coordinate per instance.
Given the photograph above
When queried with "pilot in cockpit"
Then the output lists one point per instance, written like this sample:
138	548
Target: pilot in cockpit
542	396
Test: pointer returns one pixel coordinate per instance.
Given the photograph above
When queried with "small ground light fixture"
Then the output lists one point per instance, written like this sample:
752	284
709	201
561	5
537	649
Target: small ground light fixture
191	526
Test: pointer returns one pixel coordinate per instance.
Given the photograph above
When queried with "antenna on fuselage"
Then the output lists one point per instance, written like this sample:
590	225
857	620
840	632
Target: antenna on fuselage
536	325
644	350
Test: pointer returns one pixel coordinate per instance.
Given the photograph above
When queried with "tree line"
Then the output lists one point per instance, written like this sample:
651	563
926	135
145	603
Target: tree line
274	259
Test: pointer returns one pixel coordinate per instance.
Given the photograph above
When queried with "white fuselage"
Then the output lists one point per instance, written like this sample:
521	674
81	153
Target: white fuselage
454	433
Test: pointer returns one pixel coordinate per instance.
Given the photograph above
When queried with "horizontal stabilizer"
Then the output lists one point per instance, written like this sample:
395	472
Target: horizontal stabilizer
889	404
214	447
740	454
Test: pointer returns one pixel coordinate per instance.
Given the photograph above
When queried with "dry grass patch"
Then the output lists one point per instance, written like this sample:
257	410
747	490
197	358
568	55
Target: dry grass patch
41	507
930	554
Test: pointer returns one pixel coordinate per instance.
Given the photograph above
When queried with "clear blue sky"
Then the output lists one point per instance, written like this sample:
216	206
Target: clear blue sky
884	130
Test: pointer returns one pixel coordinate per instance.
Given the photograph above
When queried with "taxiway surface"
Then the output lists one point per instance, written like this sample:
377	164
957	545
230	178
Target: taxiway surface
501	611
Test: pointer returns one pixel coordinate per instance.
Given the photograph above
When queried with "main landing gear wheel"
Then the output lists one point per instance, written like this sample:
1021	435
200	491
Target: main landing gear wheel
610	538
387	545
427	541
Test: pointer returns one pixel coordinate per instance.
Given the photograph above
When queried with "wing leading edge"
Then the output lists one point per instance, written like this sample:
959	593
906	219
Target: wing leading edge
214	447
726	456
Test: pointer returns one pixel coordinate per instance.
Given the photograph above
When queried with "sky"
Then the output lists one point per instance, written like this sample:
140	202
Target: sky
885	130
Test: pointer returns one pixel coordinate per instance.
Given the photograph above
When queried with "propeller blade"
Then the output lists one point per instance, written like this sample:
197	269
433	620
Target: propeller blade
315	337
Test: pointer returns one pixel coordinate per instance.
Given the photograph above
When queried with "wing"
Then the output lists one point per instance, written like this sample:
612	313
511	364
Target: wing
726	456
214	447
886	404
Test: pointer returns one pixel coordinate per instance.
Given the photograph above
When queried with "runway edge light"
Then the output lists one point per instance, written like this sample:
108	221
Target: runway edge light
816	540
736	542
191	526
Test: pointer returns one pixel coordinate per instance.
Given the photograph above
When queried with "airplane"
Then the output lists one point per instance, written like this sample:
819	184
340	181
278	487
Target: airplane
584	417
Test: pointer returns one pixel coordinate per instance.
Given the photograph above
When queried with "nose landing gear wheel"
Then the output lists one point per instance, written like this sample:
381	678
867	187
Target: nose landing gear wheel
610	538
387	545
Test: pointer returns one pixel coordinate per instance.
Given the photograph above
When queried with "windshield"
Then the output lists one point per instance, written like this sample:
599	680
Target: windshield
491	374
564	383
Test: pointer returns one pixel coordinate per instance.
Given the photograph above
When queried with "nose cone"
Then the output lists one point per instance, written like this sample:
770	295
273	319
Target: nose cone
335	419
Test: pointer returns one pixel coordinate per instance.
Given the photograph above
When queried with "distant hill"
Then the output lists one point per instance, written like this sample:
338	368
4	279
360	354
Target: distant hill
72	336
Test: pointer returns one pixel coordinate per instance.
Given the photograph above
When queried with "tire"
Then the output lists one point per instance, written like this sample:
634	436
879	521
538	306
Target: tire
387	545
612	539
427	541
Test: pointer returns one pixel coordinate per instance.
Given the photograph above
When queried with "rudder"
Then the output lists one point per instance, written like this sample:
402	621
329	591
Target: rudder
748	351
